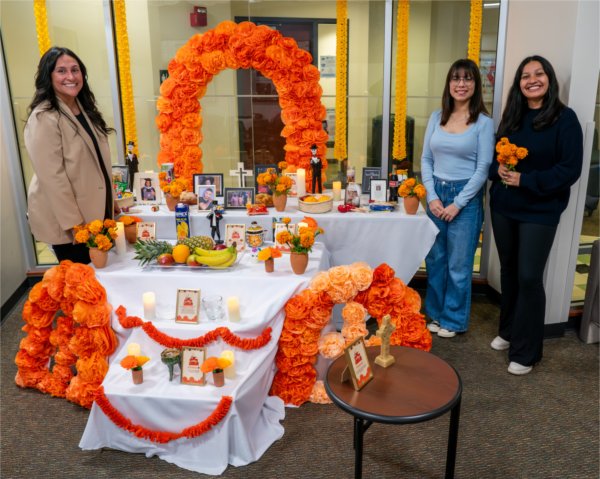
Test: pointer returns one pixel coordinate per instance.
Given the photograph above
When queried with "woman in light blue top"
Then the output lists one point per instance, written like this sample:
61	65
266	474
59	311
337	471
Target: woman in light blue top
457	152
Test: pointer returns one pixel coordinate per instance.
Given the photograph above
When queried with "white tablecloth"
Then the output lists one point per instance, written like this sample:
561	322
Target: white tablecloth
400	240
252	423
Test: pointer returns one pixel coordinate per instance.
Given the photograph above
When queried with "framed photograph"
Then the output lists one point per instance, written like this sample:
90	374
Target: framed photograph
206	195
258	169
207	179
188	306
236	198
378	190
146	231
147	188
120	174
168	169
358	363
352	195
294	189
191	366
236	233
369	173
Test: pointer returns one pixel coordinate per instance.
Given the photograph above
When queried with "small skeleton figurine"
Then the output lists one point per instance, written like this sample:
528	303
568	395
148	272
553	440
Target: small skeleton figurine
316	165
132	163
216	214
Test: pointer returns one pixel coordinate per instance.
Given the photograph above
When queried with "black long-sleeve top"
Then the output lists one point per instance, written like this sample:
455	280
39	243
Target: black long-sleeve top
547	173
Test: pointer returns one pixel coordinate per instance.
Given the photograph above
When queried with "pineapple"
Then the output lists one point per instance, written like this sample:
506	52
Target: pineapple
147	251
204	242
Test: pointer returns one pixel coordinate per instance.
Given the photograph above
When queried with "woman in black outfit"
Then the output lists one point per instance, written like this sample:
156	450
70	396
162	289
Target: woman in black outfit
526	204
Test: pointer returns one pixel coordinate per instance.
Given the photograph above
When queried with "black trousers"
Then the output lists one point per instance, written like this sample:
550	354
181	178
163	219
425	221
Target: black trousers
78	253
523	249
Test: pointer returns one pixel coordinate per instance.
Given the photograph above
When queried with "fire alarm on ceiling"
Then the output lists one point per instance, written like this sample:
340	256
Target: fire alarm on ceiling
198	17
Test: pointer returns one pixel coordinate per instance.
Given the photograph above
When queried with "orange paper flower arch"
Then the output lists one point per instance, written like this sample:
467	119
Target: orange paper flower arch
243	45
81	336
378	291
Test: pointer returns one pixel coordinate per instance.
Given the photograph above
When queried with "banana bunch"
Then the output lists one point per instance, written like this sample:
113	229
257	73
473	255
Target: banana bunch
217	259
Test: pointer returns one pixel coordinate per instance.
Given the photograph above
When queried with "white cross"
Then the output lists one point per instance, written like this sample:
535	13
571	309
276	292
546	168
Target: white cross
241	173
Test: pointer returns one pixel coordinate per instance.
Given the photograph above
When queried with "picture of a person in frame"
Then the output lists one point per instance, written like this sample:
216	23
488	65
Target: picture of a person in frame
148	191
206	196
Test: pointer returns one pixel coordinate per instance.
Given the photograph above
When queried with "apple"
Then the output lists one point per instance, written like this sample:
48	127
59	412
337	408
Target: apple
165	259
191	260
220	246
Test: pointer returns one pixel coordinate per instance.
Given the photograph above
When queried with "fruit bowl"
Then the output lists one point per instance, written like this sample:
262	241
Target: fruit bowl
125	201
315	204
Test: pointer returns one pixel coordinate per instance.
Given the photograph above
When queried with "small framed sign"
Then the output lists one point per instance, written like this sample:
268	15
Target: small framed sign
147	188
188	306
191	366
369	173
146	231
358	363
236	233
378	190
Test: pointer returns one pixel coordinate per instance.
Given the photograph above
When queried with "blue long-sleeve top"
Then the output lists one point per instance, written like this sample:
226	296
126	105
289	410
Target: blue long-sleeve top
457	156
552	165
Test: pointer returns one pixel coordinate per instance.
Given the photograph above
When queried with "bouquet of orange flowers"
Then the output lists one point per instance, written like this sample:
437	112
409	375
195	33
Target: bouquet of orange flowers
268	253
278	184
412	187
134	362
301	242
129	220
509	154
174	187
215	365
97	234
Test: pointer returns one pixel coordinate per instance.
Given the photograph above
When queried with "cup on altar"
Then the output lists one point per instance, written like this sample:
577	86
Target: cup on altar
120	242
134	349
229	370
149	300
233	307
337	190
213	305
301	182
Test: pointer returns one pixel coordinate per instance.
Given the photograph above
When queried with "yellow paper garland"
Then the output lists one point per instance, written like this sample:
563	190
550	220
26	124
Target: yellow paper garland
341	85
41	25
399	145
125	74
475	31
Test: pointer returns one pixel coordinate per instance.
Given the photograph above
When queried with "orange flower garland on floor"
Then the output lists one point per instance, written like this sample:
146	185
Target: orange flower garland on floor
243	45
82	337
377	291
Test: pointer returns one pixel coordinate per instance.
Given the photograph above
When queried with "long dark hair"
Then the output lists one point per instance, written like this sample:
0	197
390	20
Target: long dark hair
516	104
476	105
45	92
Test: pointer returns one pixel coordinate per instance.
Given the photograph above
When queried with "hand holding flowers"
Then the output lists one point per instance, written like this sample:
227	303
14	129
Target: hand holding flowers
97	234
509	156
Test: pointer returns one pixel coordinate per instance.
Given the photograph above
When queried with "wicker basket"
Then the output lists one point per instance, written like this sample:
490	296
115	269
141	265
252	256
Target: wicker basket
315	208
125	202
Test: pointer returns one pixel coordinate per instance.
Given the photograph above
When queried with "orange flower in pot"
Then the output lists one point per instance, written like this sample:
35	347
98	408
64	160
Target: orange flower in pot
268	255
412	191
135	363
216	366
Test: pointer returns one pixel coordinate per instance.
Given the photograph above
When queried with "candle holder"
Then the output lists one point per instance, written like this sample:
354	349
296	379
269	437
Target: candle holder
171	357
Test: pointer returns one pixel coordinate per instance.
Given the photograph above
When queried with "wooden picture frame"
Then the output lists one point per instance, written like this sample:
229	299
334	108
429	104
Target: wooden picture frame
369	173
191	366
146	231
188	306
378	190
208	179
258	169
237	233
237	198
146	186
357	360
206	195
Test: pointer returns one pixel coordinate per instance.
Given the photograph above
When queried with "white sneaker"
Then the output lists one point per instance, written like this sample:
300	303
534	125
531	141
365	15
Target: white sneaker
518	369
434	326
500	344
445	333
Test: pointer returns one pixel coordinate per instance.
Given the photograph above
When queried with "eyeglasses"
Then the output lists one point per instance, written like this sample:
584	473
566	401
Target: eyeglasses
466	80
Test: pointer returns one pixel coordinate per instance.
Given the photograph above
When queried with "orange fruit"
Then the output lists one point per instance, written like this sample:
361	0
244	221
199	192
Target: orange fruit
180	253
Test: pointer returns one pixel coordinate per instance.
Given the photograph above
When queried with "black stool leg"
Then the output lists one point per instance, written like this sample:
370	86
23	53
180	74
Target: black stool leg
358	447
452	441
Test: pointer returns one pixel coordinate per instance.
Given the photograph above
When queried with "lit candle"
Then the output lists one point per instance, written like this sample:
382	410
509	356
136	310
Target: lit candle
301	182
134	349
120	241
337	190
229	370
233	306
149	300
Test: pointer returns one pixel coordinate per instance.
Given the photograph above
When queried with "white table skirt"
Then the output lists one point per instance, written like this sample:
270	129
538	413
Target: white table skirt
400	240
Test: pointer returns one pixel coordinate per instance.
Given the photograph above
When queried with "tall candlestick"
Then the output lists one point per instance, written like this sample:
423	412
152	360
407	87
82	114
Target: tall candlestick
337	190
149	300
229	370
233	306
120	242
134	349
301	182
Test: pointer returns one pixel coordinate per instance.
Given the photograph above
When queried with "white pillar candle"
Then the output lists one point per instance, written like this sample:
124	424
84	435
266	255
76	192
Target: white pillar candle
149	300
301	182
229	370
337	190
134	349
120	242
233	306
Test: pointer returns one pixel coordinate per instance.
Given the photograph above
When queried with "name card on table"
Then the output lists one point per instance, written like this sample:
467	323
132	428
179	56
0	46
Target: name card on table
236	233
188	306
358	364
191	366
146	231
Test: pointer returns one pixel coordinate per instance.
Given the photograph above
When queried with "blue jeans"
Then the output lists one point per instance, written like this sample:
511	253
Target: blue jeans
450	260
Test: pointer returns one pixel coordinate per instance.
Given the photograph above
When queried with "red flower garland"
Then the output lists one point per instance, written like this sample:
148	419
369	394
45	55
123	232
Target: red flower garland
170	342
162	436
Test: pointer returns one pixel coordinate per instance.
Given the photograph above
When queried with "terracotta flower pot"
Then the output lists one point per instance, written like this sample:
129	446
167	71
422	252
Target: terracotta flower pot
98	257
171	202
131	233
219	378
137	375
279	201
299	262
411	205
270	265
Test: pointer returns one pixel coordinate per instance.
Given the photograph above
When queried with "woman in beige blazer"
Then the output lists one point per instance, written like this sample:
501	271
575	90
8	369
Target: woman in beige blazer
66	138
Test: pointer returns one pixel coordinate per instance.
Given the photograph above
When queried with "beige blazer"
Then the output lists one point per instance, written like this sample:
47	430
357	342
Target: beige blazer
68	187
